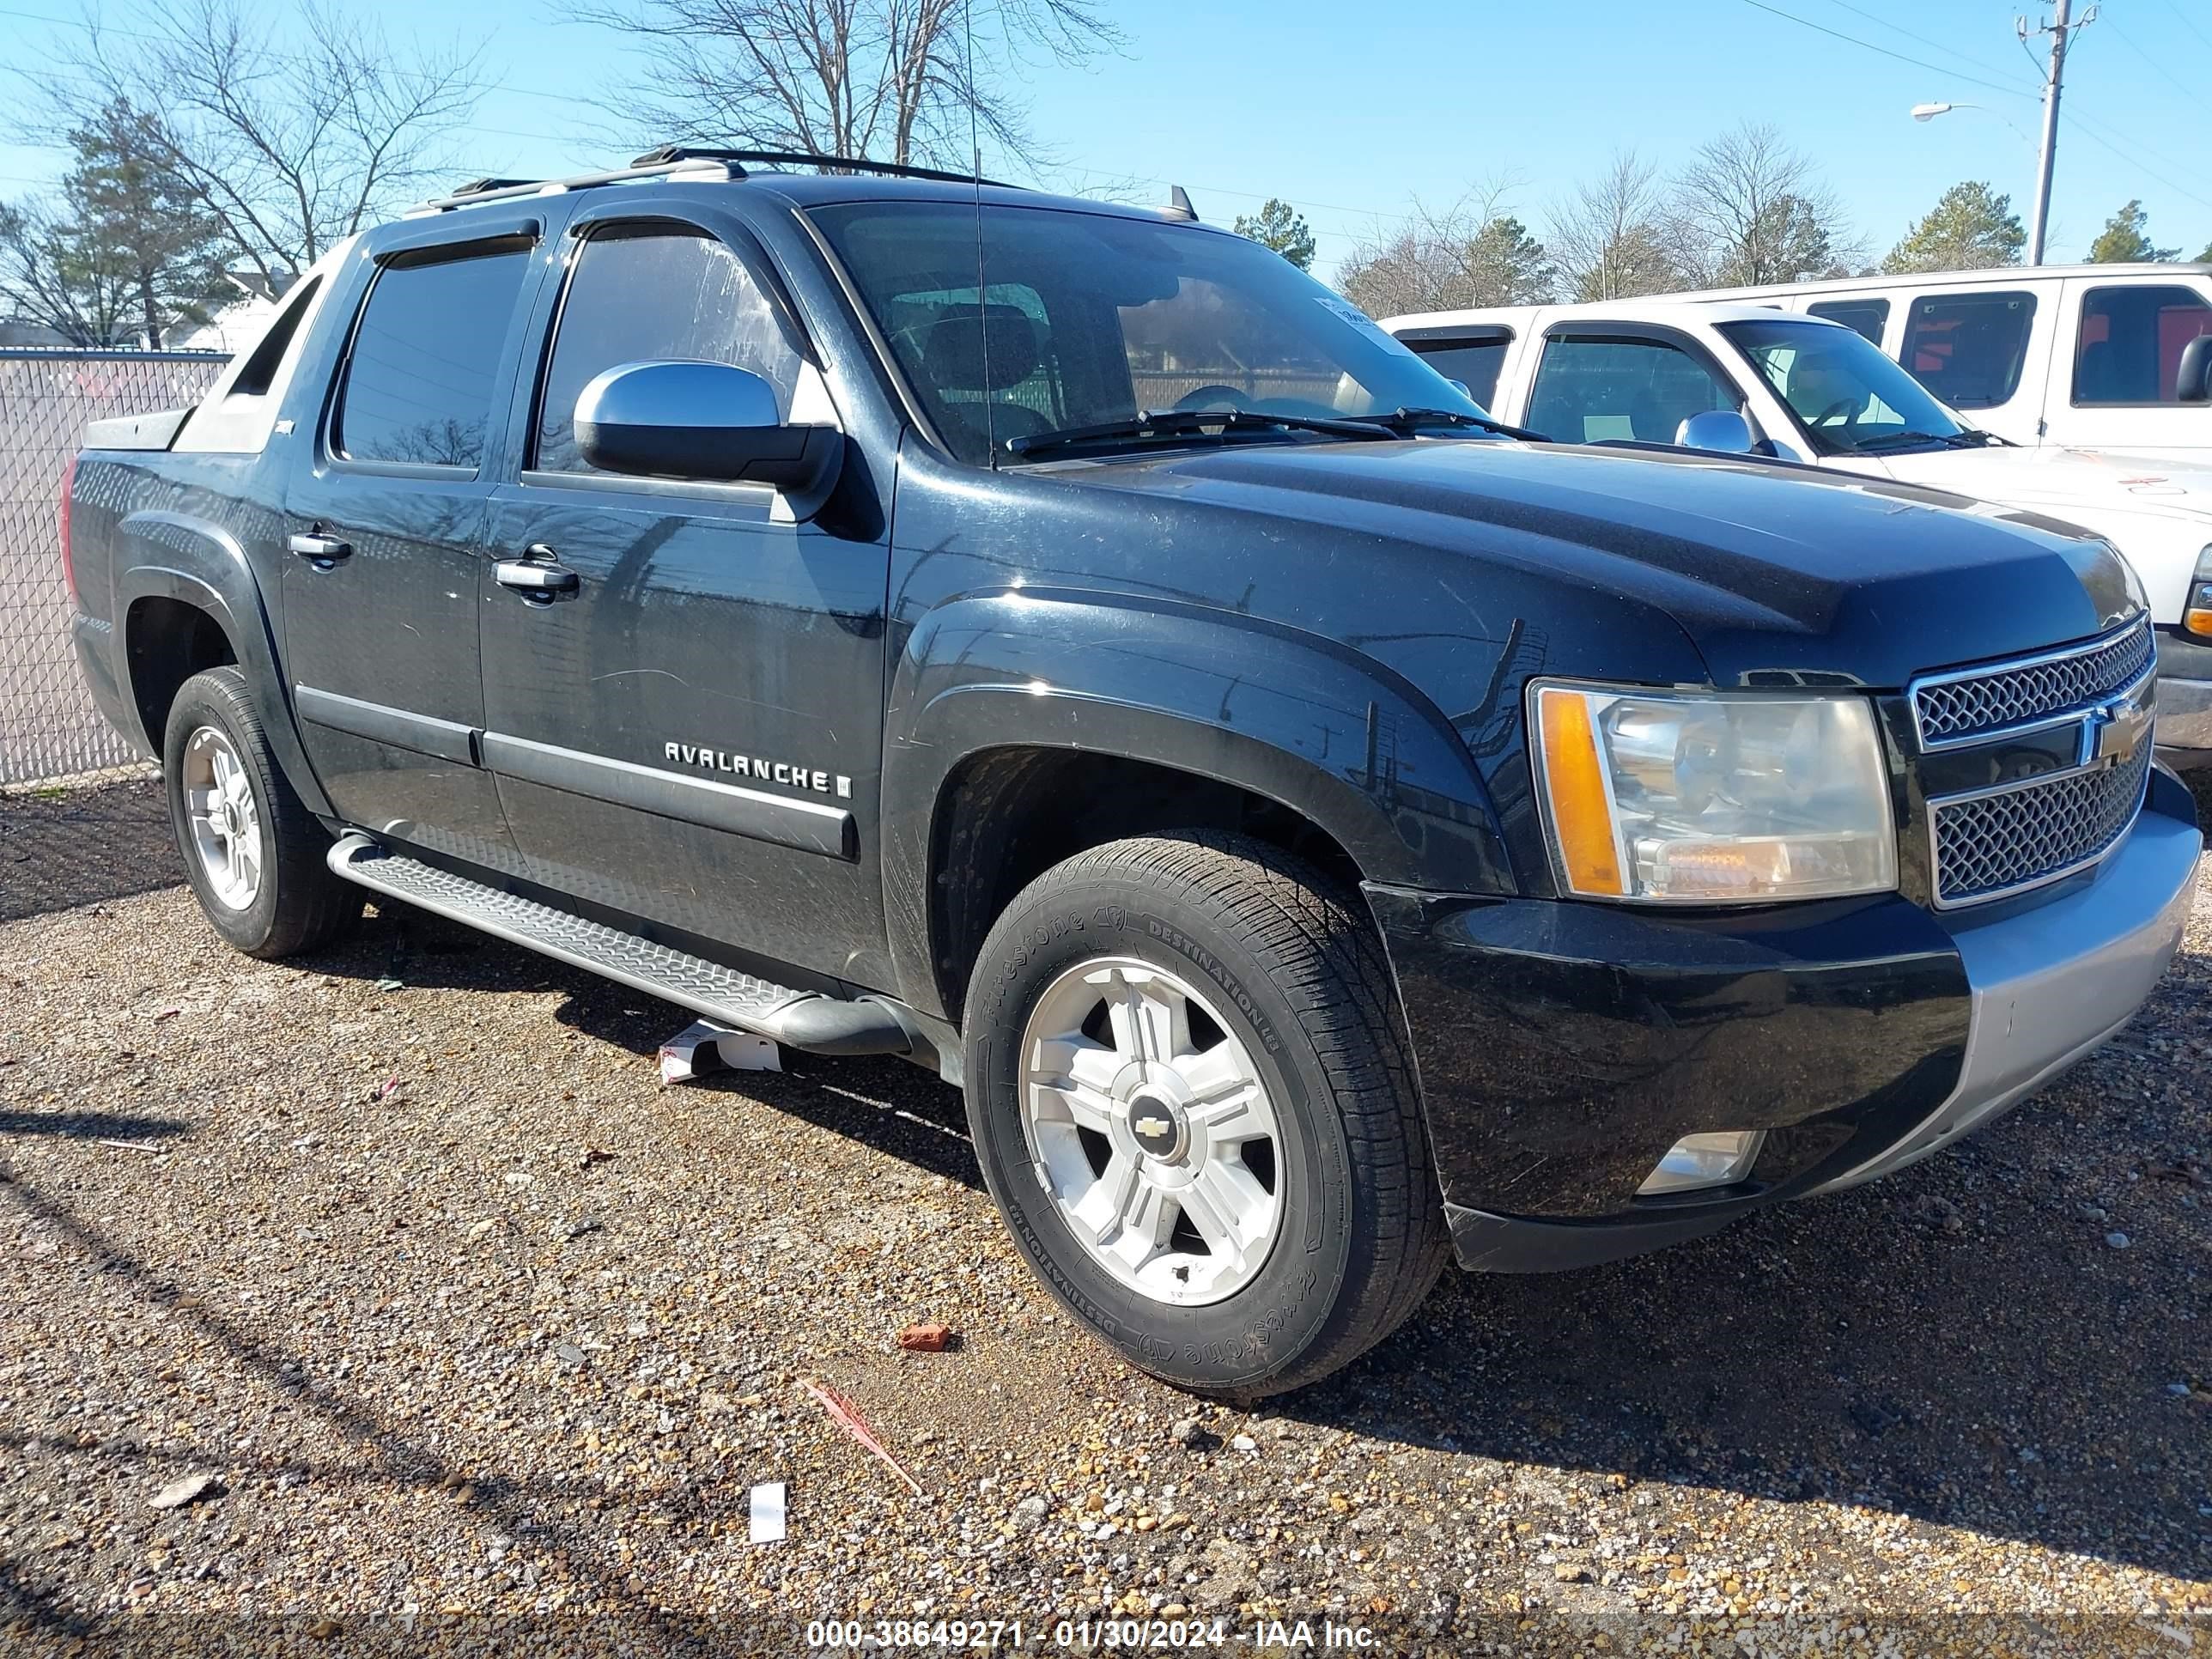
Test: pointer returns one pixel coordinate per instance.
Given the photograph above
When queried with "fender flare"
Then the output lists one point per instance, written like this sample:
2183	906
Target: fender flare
1290	716
171	556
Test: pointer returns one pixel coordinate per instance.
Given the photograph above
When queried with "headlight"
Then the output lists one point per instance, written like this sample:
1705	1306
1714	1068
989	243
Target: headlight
1712	798
2196	609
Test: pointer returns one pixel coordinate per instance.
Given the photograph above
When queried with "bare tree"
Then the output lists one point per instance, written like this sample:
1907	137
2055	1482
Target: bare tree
289	148
45	278
1612	237
1748	208
883	80
1472	253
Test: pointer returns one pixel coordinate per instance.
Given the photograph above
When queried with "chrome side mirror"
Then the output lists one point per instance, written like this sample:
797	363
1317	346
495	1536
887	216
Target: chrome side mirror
712	421
1722	430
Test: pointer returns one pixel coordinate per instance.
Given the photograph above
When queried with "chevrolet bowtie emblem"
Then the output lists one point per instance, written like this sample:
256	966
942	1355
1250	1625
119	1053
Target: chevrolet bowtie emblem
1152	1126
2112	730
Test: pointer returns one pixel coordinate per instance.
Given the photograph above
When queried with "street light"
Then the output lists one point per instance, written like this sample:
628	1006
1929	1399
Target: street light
1925	112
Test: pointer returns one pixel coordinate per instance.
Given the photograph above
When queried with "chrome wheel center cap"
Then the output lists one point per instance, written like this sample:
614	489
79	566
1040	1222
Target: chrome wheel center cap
1156	1124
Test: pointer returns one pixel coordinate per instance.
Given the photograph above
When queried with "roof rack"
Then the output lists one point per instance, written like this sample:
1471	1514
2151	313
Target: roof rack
736	158
672	160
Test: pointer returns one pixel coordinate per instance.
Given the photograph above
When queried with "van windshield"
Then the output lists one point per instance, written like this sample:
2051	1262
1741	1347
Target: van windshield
1089	319
1848	397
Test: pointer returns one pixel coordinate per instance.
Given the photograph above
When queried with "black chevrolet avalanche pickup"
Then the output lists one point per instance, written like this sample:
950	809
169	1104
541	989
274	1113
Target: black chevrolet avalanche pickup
1320	830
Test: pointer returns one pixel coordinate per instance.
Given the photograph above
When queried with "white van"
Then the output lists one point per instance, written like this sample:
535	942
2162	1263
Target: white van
2080	356
1751	379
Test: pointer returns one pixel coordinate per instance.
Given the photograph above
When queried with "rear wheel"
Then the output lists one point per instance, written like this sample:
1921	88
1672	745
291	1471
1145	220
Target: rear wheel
1188	1088
253	854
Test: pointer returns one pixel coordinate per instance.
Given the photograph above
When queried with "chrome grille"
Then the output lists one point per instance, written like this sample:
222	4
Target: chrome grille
1997	842
1970	704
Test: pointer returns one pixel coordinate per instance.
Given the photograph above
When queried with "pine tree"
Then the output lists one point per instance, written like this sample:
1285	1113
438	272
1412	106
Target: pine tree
1970	228
1279	227
2122	242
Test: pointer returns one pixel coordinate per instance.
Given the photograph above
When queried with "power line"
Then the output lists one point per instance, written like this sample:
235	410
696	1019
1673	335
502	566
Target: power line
2128	41
1821	28
1900	28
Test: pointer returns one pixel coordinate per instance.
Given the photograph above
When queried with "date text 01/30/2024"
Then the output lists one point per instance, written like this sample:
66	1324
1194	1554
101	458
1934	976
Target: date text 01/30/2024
1272	1635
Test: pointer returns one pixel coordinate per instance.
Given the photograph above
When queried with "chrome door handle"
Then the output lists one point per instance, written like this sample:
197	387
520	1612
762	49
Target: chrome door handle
536	579
324	550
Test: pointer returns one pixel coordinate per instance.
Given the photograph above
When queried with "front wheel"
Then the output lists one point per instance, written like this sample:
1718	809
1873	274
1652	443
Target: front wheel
253	854
1189	1094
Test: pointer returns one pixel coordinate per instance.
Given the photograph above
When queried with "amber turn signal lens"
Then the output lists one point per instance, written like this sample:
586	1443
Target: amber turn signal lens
2197	621
1574	776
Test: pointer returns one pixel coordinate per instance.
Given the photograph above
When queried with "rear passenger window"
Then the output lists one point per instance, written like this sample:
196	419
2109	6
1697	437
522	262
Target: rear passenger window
1474	363
1968	349
418	383
1592	391
2129	347
655	294
1865	317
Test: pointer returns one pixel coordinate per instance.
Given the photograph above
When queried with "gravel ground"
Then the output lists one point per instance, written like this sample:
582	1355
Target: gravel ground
483	1337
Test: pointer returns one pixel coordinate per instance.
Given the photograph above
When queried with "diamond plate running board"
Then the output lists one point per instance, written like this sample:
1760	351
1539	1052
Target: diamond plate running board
804	1019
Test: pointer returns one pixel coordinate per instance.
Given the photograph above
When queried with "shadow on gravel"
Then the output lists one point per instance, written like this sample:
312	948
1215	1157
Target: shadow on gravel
2011	1378
91	1126
500	1504
60	848
889	1104
2008	1377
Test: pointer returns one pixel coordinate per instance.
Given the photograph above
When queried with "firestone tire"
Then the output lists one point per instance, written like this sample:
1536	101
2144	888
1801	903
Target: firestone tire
253	852
1276	958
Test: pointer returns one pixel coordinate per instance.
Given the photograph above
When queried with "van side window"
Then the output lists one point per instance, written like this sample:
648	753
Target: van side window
418	379
657	293
1868	317
1590	389
2129	351
1968	349
1474	363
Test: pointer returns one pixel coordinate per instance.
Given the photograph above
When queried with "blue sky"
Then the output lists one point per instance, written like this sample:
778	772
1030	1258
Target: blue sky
1351	112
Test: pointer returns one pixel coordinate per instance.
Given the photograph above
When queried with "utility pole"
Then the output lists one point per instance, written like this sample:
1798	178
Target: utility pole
2061	26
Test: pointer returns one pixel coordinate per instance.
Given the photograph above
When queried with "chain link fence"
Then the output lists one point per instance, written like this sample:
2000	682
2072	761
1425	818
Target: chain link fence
48	726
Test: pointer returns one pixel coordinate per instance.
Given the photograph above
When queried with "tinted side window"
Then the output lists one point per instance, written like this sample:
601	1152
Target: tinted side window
1868	317
647	293
1588	391
1968	349
2129	347
418	384
1473	364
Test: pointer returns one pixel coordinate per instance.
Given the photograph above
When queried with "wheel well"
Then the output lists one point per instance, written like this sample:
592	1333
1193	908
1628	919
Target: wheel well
1006	817
165	642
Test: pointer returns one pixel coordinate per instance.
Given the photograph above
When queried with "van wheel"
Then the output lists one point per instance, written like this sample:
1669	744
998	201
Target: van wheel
1189	1093
253	854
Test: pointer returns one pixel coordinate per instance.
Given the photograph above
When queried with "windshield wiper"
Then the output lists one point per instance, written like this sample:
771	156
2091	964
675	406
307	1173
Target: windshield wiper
1901	439
1403	421
1168	423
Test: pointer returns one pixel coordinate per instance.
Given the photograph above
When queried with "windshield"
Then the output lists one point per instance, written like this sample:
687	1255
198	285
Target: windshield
1849	397
1089	319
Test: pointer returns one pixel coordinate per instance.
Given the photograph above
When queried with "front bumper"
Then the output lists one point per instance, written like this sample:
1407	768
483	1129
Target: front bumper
1563	1048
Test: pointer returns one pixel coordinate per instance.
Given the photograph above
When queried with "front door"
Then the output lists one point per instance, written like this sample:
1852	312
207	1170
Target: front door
386	535
686	723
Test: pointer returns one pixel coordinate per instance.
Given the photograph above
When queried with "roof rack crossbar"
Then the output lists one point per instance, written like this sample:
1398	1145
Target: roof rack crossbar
668	153
481	190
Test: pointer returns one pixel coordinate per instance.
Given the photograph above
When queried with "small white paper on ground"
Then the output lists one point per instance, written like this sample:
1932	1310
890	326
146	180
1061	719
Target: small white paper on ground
741	1051
768	1513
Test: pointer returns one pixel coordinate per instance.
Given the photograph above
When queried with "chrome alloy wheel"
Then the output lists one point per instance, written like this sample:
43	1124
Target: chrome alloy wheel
225	819
1149	1125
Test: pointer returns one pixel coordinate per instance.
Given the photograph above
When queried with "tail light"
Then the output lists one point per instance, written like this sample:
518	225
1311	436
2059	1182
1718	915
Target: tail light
68	565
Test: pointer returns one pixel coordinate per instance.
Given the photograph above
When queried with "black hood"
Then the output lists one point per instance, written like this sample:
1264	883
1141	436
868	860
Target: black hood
1773	571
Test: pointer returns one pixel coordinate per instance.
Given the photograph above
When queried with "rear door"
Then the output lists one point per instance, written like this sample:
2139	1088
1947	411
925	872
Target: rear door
386	538
1986	351
693	735
2114	387
1472	354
